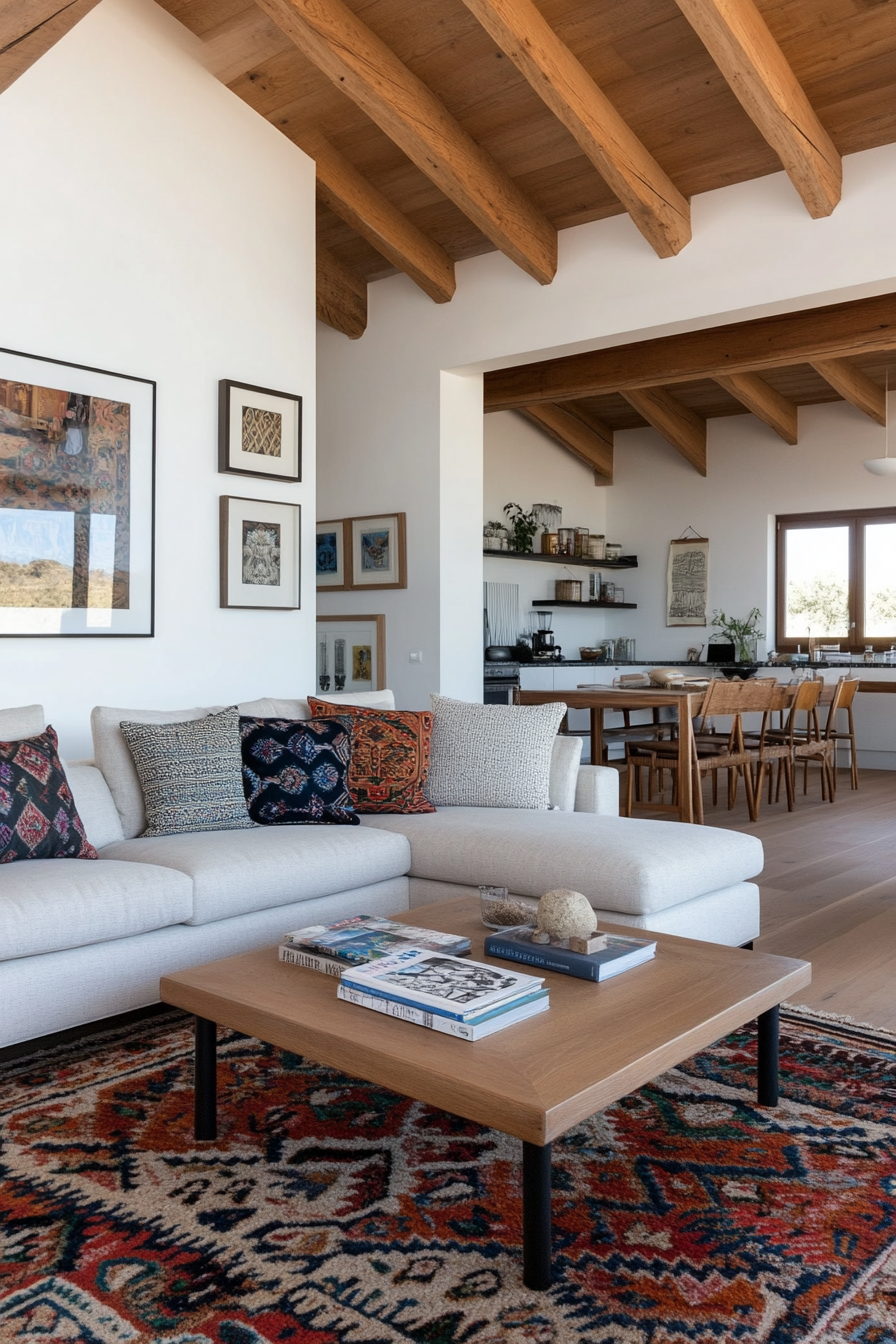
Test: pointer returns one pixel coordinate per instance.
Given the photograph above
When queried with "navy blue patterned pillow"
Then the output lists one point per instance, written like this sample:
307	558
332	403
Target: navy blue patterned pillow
38	817
295	771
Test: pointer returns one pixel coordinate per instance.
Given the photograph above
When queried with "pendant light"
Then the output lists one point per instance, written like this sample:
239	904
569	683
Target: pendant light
886	465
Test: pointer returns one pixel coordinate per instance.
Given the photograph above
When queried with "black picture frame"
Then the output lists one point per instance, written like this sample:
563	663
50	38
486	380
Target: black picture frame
233	456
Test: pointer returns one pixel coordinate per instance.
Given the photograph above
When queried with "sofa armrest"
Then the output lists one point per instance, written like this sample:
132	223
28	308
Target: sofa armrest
597	790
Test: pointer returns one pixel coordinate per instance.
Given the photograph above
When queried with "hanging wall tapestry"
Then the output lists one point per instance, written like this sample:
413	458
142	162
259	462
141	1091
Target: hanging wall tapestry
687	581
76	499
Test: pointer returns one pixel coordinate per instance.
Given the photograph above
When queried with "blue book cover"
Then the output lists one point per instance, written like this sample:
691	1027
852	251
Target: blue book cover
620	954
363	938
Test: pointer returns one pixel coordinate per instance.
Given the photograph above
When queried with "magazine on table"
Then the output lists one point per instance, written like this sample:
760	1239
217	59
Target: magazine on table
473	1029
620	954
453	986
363	938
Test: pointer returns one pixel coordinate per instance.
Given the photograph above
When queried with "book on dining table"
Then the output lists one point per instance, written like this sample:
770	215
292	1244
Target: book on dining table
620	954
354	941
454	987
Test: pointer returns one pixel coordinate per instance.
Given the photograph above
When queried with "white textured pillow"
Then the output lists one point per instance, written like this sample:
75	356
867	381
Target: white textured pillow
491	755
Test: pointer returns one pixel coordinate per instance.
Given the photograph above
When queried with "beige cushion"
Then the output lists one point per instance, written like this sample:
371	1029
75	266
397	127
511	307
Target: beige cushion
234	872
51	904
620	863
267	708
491	755
95	804
27	721
565	757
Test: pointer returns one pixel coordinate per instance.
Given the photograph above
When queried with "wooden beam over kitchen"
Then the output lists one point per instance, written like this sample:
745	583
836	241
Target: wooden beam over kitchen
767	405
587	437
854	386
738	39
29	28
680	426
654	202
341	296
361	65
838	331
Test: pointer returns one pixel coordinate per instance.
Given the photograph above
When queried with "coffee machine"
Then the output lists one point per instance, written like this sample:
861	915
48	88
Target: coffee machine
543	646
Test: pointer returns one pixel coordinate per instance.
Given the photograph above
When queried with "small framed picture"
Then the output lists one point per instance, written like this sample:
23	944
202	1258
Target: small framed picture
260	554
379	551
332	549
351	653
259	431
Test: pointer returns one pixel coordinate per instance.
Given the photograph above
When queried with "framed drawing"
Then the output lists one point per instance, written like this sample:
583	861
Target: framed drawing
77	478
332	549
260	554
351	653
259	431
687	579
379	551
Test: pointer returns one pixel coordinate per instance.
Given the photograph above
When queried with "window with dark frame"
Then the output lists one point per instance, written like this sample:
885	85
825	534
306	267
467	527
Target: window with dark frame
836	579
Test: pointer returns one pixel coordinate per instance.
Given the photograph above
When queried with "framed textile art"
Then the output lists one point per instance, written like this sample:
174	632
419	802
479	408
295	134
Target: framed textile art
687	580
379	551
259	431
332	550
260	554
77	477
351	653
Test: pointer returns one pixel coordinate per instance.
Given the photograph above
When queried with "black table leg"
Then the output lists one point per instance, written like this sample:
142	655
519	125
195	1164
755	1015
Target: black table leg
205	1098
767	1058
536	1215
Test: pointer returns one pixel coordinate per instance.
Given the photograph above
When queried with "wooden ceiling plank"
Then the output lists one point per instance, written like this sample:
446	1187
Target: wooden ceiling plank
683	428
592	444
853	386
29	28
767	405
341	296
655	204
737	38
363	67
837	331
241	43
349	195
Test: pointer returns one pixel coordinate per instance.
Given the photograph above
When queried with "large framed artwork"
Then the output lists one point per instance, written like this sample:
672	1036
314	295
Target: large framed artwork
259	431
77	485
332	550
379	551
351	653
260	554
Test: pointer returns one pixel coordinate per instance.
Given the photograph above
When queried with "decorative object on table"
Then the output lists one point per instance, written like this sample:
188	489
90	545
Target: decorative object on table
259	431
523	527
565	914
77	453
260	554
615	955
568	590
358	643
582	541
687	580
694	652
39	817
492	755
597	546
613	550
295	772
499	910
743	634
566	541
332	552
390	751
379	551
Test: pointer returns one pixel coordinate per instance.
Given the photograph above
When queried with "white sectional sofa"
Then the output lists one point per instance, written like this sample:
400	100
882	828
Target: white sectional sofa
83	940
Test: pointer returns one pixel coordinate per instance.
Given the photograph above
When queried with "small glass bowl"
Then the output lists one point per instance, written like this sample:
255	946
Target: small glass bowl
498	910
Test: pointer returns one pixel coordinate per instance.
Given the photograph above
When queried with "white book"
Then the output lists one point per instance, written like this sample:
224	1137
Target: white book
454	987
312	961
487	1025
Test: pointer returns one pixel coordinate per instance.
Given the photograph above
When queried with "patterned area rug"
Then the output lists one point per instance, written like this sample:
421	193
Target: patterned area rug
332	1212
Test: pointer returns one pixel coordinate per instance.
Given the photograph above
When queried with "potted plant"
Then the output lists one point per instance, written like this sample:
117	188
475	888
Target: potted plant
742	634
523	527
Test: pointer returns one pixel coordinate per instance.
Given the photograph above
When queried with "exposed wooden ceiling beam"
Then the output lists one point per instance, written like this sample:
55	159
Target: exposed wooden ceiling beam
769	406
592	442
859	327
362	66
341	296
683	428
737	38
357	201
654	202
29	28
854	386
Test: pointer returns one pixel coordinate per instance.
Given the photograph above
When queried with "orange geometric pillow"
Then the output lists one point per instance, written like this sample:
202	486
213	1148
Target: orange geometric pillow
390	755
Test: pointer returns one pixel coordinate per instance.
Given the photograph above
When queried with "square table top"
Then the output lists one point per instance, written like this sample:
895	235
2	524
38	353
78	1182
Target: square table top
535	1080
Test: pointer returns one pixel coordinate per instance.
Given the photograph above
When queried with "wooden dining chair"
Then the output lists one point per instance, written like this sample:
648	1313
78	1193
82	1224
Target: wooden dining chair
844	695
780	743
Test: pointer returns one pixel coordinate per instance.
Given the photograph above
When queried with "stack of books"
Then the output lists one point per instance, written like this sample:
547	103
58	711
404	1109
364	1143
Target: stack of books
333	948
620	953
454	995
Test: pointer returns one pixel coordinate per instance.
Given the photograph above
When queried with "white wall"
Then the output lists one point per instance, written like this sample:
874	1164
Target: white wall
154	225
755	250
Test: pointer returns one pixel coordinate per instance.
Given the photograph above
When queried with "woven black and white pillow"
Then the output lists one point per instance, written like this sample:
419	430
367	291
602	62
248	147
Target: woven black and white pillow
491	755
190	773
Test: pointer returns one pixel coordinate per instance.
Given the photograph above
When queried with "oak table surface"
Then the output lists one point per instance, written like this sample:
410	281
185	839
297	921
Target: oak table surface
595	1044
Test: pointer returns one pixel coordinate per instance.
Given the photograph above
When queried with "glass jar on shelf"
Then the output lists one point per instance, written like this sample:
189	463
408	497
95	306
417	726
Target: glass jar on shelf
613	551
566	541
581	540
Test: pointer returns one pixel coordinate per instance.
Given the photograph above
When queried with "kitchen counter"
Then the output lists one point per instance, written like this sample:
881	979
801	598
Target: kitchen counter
681	662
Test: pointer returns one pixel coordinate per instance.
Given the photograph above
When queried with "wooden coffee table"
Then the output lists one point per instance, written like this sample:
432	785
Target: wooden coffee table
595	1044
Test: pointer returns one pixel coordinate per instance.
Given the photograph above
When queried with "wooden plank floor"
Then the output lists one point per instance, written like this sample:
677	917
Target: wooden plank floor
829	889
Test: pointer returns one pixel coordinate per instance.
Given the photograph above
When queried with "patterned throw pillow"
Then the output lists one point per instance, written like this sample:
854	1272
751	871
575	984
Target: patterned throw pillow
492	755
190	773
390	756
295	771
38	817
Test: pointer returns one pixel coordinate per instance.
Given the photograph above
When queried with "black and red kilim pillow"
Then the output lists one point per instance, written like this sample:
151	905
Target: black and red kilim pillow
390	755
38	817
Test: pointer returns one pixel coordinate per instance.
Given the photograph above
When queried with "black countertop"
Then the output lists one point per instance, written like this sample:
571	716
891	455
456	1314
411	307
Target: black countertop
681	662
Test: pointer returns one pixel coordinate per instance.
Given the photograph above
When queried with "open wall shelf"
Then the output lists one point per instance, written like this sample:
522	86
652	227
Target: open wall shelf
626	562
605	606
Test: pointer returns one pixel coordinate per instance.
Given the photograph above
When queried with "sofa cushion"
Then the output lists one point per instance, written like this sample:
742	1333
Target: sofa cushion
52	904
620	863
269	708
566	756
389	756
26	721
38	816
234	872
95	804
491	755
295	771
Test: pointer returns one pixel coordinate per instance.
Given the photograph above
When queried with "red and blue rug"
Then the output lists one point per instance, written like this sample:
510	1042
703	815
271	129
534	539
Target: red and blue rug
333	1212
